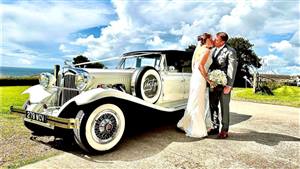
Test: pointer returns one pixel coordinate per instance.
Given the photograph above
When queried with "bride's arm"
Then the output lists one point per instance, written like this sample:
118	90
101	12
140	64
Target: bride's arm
202	64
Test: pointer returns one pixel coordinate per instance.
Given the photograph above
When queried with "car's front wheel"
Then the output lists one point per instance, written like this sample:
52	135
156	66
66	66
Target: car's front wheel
100	130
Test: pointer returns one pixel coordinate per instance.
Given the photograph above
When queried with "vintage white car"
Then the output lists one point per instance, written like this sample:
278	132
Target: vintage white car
91	104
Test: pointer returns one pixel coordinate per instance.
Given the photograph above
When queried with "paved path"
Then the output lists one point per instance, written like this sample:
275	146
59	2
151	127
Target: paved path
261	136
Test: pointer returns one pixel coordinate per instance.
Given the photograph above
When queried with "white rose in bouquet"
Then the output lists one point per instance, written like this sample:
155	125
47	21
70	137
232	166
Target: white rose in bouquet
218	77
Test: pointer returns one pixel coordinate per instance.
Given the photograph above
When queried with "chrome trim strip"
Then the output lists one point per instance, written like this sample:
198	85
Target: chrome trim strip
66	88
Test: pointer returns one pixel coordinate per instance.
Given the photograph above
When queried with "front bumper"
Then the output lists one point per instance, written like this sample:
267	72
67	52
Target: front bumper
66	123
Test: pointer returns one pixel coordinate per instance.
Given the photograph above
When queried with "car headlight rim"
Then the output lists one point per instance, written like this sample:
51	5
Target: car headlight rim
82	80
47	80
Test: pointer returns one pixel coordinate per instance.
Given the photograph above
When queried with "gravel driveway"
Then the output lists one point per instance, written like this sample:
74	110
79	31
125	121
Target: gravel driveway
261	136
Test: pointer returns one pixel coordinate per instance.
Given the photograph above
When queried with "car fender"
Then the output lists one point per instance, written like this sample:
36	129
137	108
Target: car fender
37	93
93	95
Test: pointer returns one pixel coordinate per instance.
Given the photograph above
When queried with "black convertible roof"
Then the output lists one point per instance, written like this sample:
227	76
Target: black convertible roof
169	53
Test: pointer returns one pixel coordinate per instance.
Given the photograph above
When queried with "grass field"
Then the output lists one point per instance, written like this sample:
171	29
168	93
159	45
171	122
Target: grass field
11	95
285	95
16	147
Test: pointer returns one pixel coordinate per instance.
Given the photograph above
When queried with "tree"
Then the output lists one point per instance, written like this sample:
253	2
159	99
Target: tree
96	65
82	59
247	59
191	48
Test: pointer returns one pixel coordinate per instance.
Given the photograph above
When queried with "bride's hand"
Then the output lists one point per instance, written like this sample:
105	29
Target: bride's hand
212	84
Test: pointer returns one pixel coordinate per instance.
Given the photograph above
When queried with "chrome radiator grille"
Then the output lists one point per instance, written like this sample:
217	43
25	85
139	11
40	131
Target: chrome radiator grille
67	94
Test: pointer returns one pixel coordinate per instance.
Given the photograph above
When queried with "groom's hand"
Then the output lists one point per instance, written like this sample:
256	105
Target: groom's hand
227	89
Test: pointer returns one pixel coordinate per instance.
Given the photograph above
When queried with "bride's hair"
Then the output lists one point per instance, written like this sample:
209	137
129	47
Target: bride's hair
204	37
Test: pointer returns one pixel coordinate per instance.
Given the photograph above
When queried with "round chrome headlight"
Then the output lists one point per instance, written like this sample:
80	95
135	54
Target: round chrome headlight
47	80
82	80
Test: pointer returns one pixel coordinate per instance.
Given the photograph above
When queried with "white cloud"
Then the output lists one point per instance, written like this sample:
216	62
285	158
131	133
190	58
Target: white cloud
254	19
243	20
155	41
273	61
83	41
157	24
280	46
292	70
259	43
16	55
64	49
289	52
137	21
152	25
273	64
28	28
25	61
27	21
281	26
295	40
15	50
258	4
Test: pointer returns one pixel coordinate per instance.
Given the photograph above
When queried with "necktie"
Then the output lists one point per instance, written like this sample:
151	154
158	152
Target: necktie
215	53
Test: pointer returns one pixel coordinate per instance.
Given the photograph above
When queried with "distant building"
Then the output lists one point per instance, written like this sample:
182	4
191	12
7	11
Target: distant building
274	77
287	79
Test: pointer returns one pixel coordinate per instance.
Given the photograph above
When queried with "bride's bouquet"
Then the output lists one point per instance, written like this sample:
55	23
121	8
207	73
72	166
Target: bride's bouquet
218	77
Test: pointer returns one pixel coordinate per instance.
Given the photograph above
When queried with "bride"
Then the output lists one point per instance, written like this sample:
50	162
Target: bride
193	120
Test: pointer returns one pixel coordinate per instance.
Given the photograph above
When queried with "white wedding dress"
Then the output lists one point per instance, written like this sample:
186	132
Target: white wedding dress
193	120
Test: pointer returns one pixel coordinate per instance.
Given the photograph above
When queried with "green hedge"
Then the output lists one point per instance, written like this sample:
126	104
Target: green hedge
19	81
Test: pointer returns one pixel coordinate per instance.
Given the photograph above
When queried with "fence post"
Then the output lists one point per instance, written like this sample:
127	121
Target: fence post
255	82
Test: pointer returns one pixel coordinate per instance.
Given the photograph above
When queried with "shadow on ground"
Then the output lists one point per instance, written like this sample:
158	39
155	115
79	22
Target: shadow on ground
270	139
148	135
145	136
236	118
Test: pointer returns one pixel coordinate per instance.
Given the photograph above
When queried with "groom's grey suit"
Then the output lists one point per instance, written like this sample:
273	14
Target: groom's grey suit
225	59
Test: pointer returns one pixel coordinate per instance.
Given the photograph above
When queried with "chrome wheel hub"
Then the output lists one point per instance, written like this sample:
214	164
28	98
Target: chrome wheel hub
105	127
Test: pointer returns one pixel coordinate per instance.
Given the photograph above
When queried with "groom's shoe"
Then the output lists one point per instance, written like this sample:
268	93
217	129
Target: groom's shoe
212	131
222	135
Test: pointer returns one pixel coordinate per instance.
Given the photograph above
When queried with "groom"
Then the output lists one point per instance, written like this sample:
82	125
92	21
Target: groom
224	59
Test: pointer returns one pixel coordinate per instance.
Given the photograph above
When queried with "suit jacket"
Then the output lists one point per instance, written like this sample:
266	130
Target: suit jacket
225	60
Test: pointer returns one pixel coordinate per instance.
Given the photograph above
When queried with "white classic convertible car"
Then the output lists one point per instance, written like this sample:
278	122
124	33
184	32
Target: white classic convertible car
91	104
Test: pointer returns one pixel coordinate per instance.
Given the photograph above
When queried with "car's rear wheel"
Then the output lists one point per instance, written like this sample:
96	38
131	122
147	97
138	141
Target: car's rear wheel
100	130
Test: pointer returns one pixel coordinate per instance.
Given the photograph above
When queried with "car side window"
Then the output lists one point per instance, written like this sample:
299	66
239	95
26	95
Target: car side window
179	64
141	61
129	63
151	61
186	66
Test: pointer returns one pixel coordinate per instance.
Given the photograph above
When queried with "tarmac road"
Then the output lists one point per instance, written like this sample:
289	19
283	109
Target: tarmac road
261	136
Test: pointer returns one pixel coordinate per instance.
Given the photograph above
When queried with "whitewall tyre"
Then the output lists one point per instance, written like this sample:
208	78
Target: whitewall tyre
146	84
102	129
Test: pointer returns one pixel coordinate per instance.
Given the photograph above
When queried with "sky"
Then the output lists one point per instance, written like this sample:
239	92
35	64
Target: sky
40	34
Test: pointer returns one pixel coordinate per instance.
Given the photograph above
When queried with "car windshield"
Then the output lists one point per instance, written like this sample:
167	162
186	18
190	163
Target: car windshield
140	61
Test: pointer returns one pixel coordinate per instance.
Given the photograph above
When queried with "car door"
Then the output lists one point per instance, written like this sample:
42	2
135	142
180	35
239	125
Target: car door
172	80
173	86
186	75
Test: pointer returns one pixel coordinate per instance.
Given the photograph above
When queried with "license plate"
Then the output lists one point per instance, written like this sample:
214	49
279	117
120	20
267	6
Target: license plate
36	116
